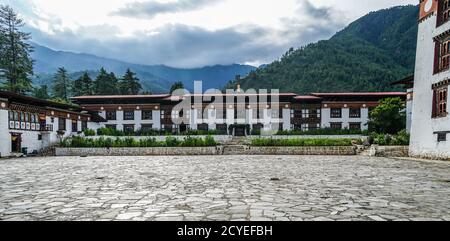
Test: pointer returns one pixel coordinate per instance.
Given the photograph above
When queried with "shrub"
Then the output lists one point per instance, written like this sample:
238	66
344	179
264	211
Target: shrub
81	142
400	139
109	132
302	142
89	132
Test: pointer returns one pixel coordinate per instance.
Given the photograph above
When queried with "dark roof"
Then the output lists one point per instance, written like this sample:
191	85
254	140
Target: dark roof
407	81
96	97
14	97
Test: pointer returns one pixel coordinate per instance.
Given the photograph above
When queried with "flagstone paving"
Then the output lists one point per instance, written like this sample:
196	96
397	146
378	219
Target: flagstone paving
316	188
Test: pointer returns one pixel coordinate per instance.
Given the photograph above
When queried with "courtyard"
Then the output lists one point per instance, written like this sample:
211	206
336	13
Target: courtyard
256	188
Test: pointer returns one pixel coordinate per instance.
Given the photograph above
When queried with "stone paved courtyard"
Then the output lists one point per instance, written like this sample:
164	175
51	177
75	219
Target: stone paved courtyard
224	188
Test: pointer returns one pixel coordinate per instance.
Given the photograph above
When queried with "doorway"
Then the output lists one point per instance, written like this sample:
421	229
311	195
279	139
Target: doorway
239	131
16	142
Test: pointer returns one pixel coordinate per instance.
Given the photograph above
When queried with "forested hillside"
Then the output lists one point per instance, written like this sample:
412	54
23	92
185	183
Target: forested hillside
368	55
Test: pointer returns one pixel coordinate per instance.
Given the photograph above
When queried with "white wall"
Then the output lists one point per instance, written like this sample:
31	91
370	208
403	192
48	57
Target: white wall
423	140
345	118
137	122
5	136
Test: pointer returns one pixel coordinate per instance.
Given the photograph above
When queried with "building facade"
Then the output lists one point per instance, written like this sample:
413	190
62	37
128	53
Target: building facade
28	125
430	121
236	114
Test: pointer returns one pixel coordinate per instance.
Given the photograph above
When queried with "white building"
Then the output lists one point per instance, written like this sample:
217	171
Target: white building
430	121
255	112
28	125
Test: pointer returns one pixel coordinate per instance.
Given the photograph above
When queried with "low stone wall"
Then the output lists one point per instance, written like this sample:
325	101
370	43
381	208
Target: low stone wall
311	137
303	150
219	150
389	151
152	151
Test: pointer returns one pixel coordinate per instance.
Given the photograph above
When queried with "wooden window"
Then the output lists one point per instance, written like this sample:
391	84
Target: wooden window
61	124
355	126
442	55
336	125
111	115
11	115
203	127
84	125
74	126
443	12
314	113
313	126
128	115
440	102
146	127
336	113
355	113
147	115
128	128
442	136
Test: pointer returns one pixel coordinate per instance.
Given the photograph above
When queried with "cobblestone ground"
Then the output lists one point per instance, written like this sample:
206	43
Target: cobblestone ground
224	188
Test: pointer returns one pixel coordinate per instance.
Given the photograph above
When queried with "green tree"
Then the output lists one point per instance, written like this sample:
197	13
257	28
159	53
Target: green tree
83	85
61	84
16	65
41	92
388	117
106	84
129	84
176	86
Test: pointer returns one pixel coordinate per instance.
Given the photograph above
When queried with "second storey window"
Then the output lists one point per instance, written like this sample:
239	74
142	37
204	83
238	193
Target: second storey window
355	113
440	102
147	115
441	54
444	11
336	113
128	115
111	115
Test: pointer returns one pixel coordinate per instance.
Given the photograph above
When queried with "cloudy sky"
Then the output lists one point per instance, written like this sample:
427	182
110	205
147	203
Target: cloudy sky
189	33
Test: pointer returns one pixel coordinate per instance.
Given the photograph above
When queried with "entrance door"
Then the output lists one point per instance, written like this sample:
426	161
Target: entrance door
239	131
16	140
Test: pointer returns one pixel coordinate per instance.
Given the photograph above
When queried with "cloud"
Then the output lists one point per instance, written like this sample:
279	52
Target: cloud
182	45
151	9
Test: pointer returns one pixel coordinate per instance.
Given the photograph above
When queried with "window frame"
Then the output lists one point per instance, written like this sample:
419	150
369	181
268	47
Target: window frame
128	117
62	125
336	115
354	115
336	123
111	115
440	101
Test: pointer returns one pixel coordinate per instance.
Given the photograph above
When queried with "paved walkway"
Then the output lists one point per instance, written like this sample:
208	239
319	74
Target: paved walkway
224	188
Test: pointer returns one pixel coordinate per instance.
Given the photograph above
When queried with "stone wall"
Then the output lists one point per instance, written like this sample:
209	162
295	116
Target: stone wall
303	150
169	151
154	151
389	151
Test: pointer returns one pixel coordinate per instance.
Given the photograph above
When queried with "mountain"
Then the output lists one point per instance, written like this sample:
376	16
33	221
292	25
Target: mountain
154	78
368	55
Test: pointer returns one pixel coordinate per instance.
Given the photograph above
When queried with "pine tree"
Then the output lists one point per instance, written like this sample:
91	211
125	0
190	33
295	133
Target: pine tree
16	65
83	86
129	84
176	86
106	84
61	85
41	92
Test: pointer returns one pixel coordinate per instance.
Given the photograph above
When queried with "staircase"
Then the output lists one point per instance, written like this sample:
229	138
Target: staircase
237	146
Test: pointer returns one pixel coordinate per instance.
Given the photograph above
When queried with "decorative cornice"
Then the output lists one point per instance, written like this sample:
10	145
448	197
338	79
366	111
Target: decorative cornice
443	83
